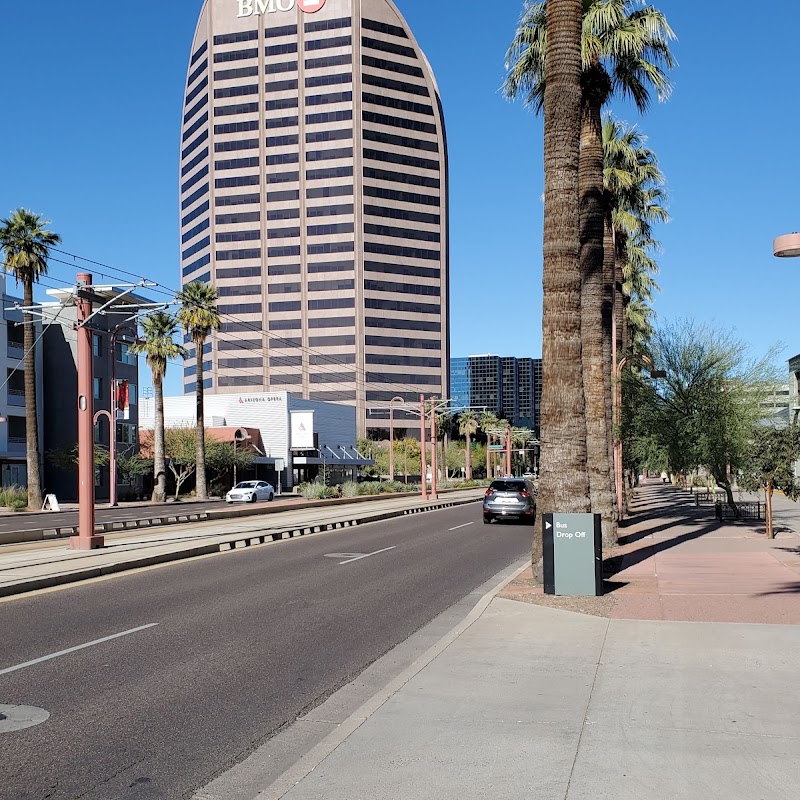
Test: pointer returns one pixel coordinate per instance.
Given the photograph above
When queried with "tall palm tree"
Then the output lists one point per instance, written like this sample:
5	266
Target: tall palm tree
199	316
624	50
26	244
488	421
158	345
468	427
564	485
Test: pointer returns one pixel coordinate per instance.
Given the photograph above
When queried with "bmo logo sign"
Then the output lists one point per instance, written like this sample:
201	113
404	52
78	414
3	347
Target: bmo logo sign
247	8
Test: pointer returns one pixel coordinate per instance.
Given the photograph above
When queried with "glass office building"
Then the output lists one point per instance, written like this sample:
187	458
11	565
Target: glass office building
313	192
510	387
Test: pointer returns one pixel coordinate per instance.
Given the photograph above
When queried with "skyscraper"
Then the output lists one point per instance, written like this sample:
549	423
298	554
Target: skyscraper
314	197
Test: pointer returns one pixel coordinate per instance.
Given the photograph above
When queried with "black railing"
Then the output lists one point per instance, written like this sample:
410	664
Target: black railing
749	510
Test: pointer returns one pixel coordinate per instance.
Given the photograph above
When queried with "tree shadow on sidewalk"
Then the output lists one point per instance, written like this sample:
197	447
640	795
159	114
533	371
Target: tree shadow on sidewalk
787	588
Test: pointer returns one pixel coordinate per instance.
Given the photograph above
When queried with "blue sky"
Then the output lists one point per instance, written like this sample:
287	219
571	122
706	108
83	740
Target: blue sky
89	134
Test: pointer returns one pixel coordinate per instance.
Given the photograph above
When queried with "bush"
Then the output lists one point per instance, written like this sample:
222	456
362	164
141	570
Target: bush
318	491
349	489
14	497
394	486
370	488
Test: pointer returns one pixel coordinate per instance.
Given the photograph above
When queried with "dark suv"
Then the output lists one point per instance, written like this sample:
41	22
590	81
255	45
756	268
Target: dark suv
510	497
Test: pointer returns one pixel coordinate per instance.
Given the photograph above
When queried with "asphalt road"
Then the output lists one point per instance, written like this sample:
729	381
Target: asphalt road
243	642
66	519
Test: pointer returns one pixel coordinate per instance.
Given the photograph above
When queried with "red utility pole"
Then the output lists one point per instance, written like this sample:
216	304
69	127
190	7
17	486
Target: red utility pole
434	460
423	435
86	539
508	449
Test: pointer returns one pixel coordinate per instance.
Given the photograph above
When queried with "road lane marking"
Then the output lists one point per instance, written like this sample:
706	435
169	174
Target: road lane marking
367	555
75	649
465	525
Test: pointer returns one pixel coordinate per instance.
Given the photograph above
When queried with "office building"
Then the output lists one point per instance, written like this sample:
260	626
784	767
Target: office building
313	196
13	428
292	439
510	387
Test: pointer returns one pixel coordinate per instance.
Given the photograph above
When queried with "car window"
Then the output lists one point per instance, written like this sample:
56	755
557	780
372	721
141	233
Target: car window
245	485
509	486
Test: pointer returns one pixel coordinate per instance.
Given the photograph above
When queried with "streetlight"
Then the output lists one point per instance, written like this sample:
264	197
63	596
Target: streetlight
237	437
654	373
787	246
391	434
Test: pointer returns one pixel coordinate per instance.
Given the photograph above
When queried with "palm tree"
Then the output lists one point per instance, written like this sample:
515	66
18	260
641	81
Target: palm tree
158	345
26	245
623	50
488	421
564	486
468	427
199	316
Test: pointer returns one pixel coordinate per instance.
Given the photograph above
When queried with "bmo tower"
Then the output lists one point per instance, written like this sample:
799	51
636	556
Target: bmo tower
314	197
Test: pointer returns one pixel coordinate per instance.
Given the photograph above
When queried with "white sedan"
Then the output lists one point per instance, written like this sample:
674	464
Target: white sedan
250	492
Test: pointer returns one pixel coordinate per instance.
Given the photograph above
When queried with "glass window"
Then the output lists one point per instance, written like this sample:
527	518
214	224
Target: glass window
324	44
98	388
392	66
239	236
402	252
325	99
236	55
400	105
236	144
237	163
125	355
402	141
195	126
231	74
239	108
401	177
97	345
388	47
399	122
237	255
399	158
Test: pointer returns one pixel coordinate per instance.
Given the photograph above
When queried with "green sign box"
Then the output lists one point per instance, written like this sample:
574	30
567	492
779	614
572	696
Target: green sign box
573	554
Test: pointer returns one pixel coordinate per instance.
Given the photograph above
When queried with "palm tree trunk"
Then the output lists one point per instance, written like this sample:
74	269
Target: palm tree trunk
31	415
592	222
159	466
468	460
200	487
564	485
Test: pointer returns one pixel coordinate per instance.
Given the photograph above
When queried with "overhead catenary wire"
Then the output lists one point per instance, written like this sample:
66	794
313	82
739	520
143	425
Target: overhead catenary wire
159	288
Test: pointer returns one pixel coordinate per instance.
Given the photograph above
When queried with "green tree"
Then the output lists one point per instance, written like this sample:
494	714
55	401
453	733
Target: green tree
624	51
158	345
468	427
221	457
131	466
25	243
67	458
706	411
180	445
770	466
199	316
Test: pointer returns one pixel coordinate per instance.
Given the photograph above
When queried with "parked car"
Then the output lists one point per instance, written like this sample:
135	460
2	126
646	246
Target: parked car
514	498
250	492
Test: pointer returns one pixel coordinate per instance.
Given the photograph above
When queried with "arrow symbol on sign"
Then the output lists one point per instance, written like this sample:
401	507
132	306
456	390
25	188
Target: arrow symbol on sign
547	526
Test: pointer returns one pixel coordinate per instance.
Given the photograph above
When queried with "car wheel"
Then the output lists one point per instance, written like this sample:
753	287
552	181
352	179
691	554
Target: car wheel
487	520
254	498
271	497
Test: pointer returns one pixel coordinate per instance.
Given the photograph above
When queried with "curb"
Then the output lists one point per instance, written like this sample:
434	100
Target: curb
173	518
311	760
234	542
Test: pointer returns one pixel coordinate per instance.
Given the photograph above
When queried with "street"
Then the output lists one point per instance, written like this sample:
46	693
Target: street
239	645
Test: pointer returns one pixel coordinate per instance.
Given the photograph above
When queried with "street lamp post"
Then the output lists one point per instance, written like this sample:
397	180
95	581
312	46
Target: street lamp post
391	434
654	373
423	437
787	246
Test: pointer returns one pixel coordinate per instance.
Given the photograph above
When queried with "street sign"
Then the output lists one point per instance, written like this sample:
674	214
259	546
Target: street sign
497	447
573	554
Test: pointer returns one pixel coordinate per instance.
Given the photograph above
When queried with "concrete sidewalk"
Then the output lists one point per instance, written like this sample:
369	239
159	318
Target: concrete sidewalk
521	700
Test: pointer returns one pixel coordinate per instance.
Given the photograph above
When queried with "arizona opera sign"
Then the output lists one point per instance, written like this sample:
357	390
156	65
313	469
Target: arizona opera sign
247	8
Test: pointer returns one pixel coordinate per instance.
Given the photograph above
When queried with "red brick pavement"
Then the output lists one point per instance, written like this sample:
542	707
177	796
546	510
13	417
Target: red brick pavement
679	563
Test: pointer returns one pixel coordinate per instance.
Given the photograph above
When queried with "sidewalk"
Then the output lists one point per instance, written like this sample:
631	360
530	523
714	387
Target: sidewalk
666	690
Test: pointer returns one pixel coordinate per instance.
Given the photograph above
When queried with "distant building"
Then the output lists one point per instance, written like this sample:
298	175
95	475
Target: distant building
314	197
510	387
292	439
13	432
115	369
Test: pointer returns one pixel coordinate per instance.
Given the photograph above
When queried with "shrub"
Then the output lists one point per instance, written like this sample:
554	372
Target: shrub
369	488
317	491
349	489
394	486
13	497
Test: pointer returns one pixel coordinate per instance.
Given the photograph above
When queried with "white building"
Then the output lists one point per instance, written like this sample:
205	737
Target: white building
291	437
13	429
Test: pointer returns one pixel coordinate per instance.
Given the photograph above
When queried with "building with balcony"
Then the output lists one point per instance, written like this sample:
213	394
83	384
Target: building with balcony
314	197
13	428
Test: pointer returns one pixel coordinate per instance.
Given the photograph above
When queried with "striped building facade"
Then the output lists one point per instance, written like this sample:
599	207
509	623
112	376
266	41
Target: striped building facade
314	197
